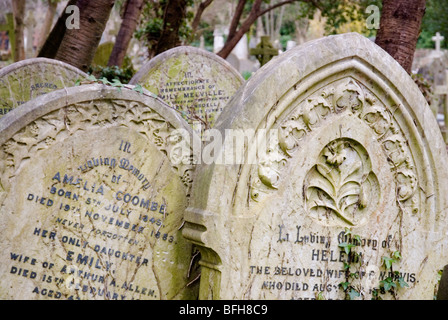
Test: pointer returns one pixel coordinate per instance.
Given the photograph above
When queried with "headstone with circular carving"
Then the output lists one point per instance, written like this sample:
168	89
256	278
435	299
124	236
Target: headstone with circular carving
343	193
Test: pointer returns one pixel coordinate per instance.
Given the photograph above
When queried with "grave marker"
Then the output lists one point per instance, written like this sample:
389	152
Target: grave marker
264	51
26	80
438	40
196	82
354	163
92	198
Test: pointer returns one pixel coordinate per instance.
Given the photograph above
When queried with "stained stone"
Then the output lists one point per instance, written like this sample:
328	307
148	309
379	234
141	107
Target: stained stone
354	163
195	82
25	80
92	198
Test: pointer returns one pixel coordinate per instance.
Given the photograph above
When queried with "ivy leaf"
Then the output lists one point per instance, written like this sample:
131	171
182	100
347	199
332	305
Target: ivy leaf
138	88
347	232
388	262
92	78
105	81
353	294
344	285
347	247
116	83
402	283
388	284
396	255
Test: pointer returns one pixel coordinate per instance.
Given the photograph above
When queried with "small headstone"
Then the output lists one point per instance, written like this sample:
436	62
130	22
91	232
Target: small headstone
331	182
290	44
92	198
218	40
102	54
195	82
28	79
264	51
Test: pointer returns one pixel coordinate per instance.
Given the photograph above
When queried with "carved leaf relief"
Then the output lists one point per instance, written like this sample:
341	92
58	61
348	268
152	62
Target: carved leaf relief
341	188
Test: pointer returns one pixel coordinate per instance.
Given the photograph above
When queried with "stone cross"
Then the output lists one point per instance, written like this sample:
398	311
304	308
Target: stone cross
264	51
438	40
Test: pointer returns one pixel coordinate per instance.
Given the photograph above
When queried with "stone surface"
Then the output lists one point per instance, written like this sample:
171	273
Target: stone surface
354	161
25	80
92	198
196	82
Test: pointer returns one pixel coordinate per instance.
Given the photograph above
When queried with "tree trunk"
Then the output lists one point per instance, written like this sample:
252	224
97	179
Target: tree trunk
79	45
132	11
400	28
175	14
50	47
18	9
198	15
256	12
46	28
232	41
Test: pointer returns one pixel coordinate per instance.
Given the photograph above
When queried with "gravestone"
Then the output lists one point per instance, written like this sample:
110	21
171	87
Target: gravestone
92	198
264	51
438	40
25	80
102	54
331	161
195	82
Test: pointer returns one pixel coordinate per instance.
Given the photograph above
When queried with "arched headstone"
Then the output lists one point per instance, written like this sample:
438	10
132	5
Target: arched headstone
347	177
196	82
92	197
26	80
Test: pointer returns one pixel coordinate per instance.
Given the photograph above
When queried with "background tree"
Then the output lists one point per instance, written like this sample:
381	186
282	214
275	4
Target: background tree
18	9
131	16
400	29
435	20
78	45
50	47
48	21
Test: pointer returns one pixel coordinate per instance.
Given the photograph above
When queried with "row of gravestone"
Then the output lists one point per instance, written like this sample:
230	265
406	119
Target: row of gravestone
327	160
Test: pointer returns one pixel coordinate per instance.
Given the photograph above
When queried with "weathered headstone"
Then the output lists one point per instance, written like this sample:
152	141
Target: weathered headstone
25	80
347	172
196	82
102	54
92	198
264	51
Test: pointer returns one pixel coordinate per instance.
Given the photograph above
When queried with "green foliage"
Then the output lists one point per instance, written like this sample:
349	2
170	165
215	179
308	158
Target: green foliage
152	22
353	267
339	12
434	21
123	75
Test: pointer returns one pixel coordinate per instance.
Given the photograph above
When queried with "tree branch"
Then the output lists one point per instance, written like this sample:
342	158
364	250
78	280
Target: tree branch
236	18
198	15
254	14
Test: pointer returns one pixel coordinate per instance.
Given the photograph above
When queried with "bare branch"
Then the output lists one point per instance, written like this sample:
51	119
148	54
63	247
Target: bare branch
236	18
198	15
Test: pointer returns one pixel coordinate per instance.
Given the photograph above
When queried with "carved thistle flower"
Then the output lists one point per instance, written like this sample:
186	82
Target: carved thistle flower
335	153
